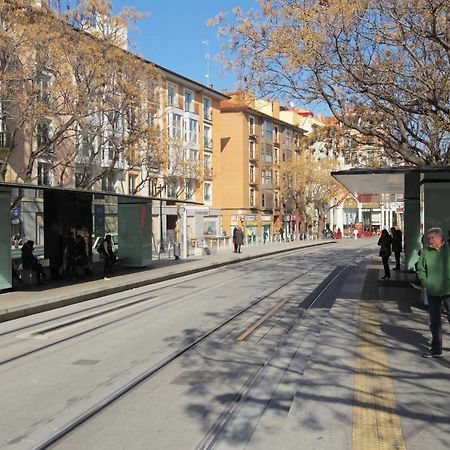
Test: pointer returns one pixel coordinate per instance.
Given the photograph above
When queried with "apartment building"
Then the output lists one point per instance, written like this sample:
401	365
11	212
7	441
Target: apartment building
349	150
190	117
162	147
254	143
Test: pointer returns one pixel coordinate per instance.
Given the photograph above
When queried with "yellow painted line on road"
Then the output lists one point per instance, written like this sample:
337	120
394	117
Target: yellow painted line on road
376	422
258	323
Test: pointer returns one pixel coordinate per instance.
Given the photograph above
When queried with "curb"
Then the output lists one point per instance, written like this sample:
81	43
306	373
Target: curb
15	313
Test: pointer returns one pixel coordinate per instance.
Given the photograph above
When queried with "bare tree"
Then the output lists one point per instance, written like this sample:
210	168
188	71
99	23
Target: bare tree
71	96
381	66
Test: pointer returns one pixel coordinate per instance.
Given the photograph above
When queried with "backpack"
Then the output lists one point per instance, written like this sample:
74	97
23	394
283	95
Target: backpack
100	247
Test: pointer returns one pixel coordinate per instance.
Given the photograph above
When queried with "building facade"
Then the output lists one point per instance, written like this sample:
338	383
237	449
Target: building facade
254	144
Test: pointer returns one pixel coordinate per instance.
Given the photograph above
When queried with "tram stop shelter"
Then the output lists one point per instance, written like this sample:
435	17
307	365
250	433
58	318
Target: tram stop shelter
46	215
424	191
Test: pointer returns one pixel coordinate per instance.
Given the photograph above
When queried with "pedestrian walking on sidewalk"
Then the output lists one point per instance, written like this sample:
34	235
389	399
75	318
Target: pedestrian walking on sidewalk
385	243
355	233
397	246
239	239
433	271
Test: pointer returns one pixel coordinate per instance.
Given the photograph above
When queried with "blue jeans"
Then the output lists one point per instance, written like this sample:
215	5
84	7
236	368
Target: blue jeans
435	309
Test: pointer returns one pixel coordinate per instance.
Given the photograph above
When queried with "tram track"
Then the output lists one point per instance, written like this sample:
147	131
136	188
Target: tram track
167	284
112	307
217	430
212	436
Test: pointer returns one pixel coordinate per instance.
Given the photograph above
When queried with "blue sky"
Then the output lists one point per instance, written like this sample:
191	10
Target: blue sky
173	33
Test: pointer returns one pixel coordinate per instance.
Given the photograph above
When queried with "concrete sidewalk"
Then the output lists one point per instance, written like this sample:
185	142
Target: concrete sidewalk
358	379
35	299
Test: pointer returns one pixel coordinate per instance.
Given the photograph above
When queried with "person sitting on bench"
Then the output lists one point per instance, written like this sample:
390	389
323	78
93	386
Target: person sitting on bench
30	262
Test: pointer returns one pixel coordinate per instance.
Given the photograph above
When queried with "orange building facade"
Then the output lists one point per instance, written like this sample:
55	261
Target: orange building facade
248	185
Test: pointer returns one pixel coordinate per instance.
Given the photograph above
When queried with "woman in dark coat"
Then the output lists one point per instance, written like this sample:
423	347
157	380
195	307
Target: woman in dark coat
239	239
397	247
385	243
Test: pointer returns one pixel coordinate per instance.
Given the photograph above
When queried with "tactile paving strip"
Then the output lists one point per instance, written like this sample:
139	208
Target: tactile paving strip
376	423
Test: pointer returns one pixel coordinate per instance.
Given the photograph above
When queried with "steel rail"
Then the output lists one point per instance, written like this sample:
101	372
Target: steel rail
114	322
218	428
126	388
152	288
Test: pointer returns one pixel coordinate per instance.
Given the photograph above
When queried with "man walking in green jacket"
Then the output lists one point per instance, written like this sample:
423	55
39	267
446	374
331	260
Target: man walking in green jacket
433	271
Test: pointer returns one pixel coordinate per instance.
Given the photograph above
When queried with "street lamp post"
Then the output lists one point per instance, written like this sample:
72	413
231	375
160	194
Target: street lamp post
161	243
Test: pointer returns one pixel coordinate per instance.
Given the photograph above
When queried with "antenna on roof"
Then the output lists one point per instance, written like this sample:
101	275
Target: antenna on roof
208	58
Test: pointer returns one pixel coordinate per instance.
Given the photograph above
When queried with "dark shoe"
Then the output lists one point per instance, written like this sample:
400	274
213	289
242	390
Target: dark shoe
396	268
415	285
433	355
386	278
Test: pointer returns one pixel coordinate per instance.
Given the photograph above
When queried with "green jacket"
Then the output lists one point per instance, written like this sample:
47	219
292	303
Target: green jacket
433	270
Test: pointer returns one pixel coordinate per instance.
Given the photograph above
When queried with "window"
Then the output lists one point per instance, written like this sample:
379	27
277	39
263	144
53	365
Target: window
85	144
79	178
252	173
109	183
153	190
108	152
172	189
263	200
44	174
276	133
176	126
266	177
276	155
188	101
193	154
82	178
207	110
208	164
207	193
276	177
190	190
172	97
288	138
252	149
132	183
267	156
43	133
251	125
276	199
252	197
268	130
191	135
207	141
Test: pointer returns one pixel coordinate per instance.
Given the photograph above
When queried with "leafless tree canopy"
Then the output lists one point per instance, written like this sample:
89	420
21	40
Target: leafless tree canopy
71	96
381	66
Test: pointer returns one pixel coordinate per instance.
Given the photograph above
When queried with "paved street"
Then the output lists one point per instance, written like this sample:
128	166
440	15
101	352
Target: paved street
261	354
